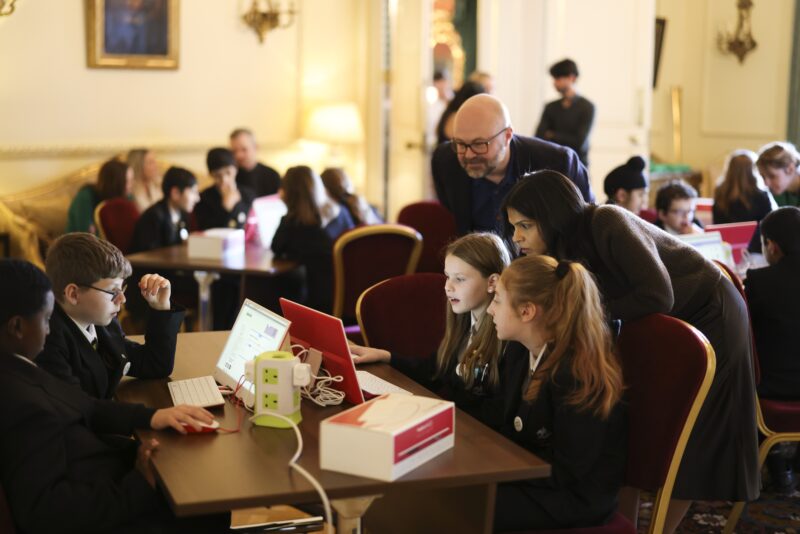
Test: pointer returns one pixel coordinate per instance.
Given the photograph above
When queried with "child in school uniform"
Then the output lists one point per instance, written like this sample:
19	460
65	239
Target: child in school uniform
466	367
86	345
626	185
63	465
675	205
563	386
224	204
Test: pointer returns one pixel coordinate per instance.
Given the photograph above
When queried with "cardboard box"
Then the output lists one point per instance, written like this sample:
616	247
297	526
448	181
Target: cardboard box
216	242
388	436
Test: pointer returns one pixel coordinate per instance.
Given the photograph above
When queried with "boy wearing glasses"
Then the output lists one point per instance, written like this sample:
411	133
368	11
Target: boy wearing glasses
86	345
675	204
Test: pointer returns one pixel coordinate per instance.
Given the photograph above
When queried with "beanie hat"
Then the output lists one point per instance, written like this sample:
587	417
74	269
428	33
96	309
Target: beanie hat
628	177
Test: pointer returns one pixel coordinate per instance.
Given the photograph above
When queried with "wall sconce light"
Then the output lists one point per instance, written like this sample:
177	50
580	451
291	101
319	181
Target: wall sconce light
6	7
263	20
741	42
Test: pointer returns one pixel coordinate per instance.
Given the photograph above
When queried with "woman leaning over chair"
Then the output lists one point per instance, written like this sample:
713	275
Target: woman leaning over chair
642	270
113	180
739	197
562	383
146	178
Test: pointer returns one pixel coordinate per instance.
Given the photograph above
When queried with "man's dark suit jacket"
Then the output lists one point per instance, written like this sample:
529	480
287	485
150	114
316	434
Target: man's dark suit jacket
61	466
69	356
155	228
773	294
454	186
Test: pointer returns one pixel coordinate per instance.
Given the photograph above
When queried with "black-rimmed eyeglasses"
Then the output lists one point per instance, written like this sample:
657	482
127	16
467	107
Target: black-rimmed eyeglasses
115	293
479	146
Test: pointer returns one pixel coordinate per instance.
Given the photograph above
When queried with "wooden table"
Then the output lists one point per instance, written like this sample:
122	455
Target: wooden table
204	474
255	261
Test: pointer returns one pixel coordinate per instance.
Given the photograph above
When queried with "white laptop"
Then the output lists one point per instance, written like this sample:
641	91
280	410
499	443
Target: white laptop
256	330
268	211
711	246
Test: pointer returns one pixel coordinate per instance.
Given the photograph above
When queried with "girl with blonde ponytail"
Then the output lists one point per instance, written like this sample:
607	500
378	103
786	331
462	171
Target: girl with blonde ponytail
563	385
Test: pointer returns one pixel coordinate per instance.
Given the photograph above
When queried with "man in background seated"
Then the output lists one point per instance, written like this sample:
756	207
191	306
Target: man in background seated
474	172
568	120
224	204
166	222
261	179
675	204
626	185
773	294
86	345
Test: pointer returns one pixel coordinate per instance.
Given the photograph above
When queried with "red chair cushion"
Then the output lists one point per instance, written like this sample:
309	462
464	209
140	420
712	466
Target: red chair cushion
618	525
649	215
118	218
781	416
406	314
664	364
436	225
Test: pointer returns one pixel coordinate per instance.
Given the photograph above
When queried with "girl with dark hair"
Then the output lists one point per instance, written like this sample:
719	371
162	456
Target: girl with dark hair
641	270
563	384
114	179
340	189
466	367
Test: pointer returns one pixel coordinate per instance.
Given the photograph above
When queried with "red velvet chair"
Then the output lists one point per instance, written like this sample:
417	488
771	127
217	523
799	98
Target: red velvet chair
668	367
367	255
778	421
405	314
437	226
115	220
649	215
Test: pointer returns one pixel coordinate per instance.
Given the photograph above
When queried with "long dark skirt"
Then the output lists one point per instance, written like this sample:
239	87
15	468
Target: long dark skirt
721	457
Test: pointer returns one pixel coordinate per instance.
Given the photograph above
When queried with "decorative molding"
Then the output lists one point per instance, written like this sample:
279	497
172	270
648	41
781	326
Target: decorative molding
11	152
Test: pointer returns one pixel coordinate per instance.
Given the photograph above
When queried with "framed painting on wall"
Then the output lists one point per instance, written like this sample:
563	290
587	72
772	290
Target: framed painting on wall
132	34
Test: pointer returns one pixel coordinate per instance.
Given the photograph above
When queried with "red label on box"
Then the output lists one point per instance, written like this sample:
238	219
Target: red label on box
423	435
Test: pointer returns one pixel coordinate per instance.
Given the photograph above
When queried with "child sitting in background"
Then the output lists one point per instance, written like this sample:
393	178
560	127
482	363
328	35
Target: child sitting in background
114	179
340	189
779	164
675	204
224	204
626	185
64	464
86	345
466	367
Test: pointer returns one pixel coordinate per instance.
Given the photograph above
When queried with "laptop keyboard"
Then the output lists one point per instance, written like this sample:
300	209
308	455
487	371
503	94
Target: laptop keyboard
202	391
376	385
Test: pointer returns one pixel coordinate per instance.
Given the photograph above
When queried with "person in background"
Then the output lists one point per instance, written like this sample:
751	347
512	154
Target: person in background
563	387
340	189
626	185
675	205
779	164
251	173
444	130
739	197
114	179
146	178
483	78
224	204
568	120
437	98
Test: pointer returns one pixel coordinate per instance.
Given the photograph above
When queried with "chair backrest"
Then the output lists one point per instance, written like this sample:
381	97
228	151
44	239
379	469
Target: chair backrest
367	255
115	220
649	215
437	226
668	367
415	301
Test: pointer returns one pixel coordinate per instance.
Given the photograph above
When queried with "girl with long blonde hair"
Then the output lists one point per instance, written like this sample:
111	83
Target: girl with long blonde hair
563	385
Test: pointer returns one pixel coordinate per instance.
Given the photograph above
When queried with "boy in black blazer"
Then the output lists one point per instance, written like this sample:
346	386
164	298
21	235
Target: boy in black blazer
86	345
61	466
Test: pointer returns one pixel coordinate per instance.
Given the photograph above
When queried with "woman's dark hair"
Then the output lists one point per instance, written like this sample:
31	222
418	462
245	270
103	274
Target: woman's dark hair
298	195
336	184
551	200
782	227
24	288
467	91
112	180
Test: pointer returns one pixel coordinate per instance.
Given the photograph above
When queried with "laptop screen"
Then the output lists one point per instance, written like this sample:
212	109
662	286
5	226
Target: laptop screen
256	330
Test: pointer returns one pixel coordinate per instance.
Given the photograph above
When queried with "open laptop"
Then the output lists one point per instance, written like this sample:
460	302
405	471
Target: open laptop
265	215
738	235
325	333
256	330
710	245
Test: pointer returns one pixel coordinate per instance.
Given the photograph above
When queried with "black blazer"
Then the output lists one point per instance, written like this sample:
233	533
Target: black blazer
454	186
155	228
261	179
68	355
210	213
60	465
773	294
587	454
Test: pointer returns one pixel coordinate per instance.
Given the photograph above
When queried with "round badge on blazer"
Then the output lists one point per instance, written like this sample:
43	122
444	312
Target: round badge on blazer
126	369
518	424
184	233
241	217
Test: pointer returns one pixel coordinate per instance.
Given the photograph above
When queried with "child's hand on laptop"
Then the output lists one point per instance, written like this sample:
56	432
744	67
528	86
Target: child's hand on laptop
156	290
177	416
369	354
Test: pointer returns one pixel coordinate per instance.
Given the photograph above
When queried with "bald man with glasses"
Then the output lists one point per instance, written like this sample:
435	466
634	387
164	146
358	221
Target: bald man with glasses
474	172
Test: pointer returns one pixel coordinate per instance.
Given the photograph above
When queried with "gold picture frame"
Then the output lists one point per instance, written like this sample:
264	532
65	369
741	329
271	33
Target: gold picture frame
125	34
